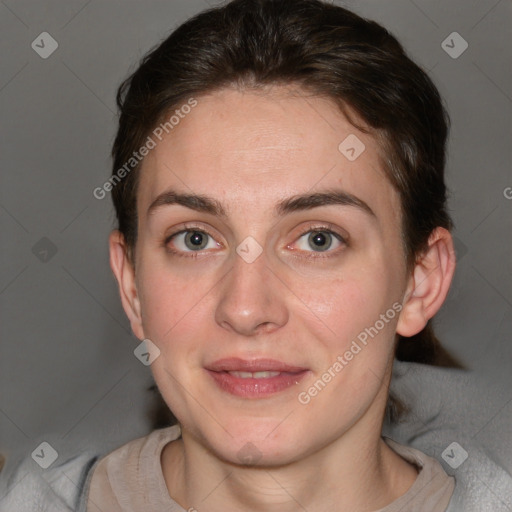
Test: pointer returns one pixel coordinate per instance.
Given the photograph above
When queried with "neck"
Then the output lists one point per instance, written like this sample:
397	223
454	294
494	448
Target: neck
354	472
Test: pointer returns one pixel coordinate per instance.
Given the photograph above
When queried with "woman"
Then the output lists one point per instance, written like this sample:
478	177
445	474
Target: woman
278	182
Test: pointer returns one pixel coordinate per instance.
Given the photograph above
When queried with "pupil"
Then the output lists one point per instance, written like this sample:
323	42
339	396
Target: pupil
196	239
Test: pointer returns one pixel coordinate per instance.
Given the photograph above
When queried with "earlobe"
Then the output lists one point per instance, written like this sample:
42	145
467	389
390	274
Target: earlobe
125	275
429	284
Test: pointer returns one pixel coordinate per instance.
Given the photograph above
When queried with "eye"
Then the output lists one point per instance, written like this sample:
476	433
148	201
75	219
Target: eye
320	240
190	240
195	240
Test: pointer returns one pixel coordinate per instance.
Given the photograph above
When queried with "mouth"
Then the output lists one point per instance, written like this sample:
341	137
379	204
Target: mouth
258	378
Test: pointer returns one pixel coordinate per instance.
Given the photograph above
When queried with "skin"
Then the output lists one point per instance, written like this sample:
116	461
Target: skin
249	150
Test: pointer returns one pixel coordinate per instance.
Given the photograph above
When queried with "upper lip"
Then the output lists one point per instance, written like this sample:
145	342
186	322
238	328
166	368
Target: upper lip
233	364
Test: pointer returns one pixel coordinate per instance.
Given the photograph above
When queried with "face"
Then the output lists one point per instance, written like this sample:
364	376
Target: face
270	272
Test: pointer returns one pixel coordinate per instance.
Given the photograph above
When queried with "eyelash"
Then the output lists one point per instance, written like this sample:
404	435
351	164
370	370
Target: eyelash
326	228
188	228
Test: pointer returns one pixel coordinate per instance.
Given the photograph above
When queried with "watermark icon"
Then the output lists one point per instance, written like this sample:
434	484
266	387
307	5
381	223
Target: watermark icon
44	249
249	454
454	455
45	455
249	249
351	147
507	193
342	360
146	352
454	45
44	45
138	156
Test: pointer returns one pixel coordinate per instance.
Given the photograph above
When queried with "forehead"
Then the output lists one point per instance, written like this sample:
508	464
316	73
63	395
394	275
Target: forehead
257	147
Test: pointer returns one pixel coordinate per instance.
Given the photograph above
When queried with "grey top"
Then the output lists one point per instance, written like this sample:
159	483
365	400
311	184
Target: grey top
454	418
130	479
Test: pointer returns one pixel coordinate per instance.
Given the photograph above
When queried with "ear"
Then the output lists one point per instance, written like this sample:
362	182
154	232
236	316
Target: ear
125	275
429	283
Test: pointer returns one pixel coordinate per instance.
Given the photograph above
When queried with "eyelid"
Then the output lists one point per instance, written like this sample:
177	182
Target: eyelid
323	228
185	228
326	227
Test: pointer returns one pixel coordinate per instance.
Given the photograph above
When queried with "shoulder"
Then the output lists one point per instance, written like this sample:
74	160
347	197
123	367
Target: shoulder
433	488
461	419
64	485
26	487
119	476
144	446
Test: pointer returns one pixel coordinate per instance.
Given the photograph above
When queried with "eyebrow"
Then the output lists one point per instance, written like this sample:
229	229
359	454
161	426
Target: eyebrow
307	201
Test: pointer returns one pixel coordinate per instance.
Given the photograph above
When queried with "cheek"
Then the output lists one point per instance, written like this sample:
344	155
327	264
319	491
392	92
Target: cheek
357	346
170	302
349	305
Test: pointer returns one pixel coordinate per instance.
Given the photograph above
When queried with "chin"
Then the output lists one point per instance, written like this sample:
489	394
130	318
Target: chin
257	442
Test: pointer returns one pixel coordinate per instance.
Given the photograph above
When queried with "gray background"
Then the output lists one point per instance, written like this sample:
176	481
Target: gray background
68	375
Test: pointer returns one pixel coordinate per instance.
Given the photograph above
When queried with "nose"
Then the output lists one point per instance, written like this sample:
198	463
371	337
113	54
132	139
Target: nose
252	299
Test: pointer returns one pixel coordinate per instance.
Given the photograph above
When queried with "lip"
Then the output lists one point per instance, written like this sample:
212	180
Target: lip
236	364
289	376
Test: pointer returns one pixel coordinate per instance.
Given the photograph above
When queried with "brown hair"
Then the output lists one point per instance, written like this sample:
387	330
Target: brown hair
325	50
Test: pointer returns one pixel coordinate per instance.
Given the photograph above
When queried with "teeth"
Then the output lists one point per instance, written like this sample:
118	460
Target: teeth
255	375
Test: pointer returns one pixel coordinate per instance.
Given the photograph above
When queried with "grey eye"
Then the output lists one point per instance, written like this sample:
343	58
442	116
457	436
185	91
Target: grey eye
320	240
191	240
196	240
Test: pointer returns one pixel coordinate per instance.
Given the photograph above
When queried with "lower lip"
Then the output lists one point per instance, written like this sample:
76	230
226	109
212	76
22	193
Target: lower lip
256	388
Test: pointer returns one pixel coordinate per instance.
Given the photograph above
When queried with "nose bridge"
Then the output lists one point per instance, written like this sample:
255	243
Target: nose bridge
249	297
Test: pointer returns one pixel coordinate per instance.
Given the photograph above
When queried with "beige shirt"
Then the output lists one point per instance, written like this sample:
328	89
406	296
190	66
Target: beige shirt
130	479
